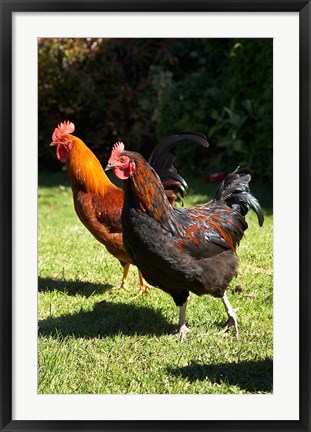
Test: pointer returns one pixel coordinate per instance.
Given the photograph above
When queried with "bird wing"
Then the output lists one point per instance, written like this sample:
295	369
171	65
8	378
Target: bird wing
108	209
204	232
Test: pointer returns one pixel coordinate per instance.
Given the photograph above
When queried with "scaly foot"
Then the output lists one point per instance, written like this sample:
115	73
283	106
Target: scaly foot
144	289
182	332
123	287
232	321
144	286
182	328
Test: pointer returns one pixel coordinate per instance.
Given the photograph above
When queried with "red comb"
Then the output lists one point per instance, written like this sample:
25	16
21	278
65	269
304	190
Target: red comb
62	129
117	148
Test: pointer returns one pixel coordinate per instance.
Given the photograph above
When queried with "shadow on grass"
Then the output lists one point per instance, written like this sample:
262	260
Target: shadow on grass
107	319
85	289
252	376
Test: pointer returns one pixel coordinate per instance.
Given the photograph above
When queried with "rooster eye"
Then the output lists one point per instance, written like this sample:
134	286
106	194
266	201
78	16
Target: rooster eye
122	159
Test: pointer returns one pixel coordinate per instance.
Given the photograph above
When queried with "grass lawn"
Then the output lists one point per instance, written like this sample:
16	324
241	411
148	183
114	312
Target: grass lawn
93	339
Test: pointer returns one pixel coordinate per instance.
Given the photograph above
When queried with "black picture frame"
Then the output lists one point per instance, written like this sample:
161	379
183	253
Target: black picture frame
8	7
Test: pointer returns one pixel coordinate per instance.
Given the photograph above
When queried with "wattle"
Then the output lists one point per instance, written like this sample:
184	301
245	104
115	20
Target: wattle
62	153
121	174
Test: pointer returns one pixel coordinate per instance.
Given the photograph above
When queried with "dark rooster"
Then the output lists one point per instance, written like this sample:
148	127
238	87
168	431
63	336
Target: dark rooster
183	249
98	202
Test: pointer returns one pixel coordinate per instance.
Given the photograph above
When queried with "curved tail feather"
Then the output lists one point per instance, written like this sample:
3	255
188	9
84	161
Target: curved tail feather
235	191
162	160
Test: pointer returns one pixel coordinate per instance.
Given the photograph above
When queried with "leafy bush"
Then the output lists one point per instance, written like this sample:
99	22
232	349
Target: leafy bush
140	90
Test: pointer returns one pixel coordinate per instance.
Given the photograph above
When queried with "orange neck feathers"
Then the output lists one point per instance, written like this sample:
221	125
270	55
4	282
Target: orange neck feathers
85	169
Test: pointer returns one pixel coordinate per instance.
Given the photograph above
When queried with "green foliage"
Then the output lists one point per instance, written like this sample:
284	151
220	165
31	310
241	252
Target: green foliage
96	340
231	103
140	90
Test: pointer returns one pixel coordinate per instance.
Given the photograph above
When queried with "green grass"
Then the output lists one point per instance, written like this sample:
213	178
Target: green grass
95	340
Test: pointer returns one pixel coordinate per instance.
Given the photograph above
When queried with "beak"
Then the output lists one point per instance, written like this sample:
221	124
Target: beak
109	167
53	144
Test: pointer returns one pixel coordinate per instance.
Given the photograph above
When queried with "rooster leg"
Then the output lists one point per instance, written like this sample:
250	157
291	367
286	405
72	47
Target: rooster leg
232	320
123	285
144	287
182	328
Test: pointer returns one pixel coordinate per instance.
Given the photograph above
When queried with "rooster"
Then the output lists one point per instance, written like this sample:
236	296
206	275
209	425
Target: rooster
98	202
182	250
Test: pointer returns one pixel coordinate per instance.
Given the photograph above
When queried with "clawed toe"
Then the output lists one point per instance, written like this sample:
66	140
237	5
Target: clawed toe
123	287
182	332
143	290
231	322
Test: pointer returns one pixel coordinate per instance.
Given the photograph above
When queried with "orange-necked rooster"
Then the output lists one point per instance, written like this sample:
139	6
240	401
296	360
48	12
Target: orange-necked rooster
183	249
98	202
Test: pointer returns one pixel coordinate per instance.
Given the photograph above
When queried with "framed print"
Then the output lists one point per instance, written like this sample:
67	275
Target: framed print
79	355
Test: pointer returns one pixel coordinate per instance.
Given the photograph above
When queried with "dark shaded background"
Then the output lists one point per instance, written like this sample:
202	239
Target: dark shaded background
140	90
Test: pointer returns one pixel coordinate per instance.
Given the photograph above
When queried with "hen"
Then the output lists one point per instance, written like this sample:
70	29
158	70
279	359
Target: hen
98	202
183	249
